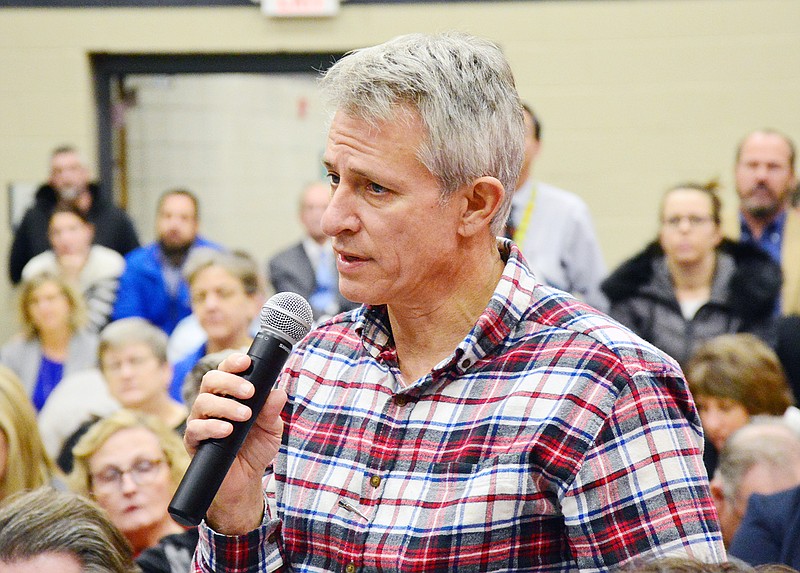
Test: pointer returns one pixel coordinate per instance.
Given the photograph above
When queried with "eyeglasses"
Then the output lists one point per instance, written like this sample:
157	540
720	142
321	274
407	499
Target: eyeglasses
134	362
693	220
142	472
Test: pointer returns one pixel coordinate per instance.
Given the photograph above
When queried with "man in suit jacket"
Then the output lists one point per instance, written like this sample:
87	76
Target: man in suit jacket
762	458
308	268
770	530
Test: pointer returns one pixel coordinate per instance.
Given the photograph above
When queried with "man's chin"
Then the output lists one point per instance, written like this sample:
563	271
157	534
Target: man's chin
763	212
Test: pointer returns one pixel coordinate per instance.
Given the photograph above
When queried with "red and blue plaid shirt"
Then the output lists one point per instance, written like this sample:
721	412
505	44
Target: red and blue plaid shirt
552	439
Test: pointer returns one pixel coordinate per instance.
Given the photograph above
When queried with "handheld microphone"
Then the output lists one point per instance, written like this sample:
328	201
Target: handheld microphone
285	319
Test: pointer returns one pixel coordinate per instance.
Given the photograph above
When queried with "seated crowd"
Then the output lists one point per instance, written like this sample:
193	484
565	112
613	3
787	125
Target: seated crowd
91	399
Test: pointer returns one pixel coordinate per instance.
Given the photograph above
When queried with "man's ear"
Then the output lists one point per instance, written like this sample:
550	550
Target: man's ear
481	201
717	494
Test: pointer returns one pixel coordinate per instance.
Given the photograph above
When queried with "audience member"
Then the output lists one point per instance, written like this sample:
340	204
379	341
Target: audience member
93	270
765	180
465	417
131	465
69	182
692	284
191	383
309	267
24	464
60	532
788	350
152	285
770	529
554	229
761	457
79	398
133	361
732	378
688	565
227	294
54	341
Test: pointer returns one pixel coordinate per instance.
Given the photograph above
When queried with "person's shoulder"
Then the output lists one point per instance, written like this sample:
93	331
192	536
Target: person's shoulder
41	263
546	191
341	329
632	274
18	342
145	253
587	331
786	502
289	252
85	339
205	243
45	198
105	262
172	553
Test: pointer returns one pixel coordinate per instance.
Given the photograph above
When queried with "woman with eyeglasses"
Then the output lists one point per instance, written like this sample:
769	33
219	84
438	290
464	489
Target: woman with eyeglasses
131	465
693	284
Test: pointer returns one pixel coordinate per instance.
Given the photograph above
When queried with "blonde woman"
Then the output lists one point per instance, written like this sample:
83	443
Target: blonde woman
24	464
131	465
54	341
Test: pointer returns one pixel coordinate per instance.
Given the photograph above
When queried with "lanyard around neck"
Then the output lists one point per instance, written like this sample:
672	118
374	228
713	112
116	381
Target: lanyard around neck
522	228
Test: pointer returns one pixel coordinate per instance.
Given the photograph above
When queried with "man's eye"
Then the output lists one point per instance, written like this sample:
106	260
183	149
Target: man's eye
333	178
375	188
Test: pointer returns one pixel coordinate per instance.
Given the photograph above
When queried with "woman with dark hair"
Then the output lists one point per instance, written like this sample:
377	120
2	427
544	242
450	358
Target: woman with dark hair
93	270
693	284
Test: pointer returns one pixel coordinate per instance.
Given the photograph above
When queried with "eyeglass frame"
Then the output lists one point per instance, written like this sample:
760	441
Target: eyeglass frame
135	362
694	221
136	473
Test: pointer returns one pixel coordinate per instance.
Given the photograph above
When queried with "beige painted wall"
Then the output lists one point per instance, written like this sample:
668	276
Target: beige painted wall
635	95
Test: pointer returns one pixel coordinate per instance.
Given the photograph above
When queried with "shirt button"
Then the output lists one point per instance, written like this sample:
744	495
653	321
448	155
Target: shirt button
465	363
401	401
271	539
375	481
350	568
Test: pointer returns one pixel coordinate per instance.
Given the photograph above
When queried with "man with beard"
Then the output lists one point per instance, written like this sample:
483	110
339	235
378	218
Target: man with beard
69	183
765	179
152	285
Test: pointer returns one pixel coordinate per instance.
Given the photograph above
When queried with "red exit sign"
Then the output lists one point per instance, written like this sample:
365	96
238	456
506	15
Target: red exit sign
294	8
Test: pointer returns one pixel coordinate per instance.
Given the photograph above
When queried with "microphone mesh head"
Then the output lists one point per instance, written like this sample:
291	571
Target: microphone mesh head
289	314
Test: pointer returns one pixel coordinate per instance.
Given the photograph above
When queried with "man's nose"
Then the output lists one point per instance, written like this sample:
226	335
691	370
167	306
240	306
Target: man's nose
339	216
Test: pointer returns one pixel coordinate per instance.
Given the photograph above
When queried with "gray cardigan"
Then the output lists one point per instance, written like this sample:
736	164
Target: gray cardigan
24	356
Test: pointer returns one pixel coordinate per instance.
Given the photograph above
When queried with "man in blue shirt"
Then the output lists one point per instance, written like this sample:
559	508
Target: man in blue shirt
765	179
152	285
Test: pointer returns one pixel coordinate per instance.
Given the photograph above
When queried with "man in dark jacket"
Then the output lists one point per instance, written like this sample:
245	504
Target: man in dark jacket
69	182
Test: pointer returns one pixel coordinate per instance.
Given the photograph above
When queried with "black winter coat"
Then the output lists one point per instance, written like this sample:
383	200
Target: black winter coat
113	228
744	297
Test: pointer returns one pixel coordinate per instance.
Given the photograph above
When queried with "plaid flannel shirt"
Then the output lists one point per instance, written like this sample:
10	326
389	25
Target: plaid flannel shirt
552	439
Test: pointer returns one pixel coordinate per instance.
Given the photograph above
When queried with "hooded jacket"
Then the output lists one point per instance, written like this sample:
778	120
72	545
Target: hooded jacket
744	297
112	228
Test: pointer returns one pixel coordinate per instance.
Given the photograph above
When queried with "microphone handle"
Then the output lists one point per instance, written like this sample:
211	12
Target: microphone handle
214	457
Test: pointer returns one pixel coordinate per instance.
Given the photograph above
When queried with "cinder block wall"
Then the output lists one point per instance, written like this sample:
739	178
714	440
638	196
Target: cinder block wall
635	95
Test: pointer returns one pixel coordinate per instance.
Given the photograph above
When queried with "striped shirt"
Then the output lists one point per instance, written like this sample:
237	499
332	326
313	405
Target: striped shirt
551	439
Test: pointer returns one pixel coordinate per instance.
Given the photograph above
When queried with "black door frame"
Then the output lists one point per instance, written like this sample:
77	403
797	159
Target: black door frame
108	68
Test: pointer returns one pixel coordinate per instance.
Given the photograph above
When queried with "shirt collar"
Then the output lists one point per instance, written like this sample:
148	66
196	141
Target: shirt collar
776	225
511	300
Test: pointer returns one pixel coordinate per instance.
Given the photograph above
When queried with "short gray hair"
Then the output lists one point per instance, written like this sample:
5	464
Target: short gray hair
766	441
238	264
133	330
45	520
463	90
